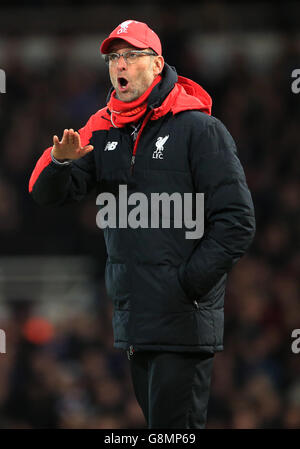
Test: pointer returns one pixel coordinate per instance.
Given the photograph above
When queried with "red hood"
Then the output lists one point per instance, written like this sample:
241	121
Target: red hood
186	95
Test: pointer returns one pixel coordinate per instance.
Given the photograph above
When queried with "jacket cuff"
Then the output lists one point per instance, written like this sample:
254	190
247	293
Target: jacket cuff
67	162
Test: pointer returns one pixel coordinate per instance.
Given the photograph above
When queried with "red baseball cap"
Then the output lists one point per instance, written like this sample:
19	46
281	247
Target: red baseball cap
135	33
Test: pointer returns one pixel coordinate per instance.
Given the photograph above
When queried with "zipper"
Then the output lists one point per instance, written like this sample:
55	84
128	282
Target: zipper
130	352
146	119
196	304
132	163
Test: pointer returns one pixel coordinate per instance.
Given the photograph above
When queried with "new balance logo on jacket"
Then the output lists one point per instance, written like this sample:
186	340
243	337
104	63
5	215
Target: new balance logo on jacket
110	146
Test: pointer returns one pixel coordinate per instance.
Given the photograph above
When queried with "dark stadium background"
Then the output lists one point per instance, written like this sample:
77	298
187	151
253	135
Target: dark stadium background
60	369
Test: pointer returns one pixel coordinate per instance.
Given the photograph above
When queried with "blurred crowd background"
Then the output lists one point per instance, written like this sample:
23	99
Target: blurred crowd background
60	368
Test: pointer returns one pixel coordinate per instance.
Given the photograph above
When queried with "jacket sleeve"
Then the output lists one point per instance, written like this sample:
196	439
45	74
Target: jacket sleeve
52	184
229	222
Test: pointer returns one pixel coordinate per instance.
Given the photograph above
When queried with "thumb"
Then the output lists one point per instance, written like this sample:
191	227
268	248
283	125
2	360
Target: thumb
55	140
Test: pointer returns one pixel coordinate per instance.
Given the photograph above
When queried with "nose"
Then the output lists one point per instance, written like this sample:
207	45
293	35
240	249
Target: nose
121	63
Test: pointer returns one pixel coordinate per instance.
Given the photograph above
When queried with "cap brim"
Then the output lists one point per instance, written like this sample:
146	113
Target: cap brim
106	43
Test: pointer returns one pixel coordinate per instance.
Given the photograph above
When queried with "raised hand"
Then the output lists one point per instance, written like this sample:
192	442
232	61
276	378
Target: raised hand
69	147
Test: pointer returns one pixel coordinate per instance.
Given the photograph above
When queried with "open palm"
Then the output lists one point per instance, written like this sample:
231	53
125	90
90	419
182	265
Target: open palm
69	147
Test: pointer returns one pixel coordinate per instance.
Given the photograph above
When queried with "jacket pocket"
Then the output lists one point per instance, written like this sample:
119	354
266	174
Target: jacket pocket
198	301
157	289
180	271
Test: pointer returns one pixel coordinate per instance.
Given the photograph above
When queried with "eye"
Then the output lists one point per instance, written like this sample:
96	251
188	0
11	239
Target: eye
132	55
113	57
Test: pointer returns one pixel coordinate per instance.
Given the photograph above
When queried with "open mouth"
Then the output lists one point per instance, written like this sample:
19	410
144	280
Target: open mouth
123	83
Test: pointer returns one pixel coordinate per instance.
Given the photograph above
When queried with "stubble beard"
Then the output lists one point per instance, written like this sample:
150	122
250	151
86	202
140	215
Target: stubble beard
133	96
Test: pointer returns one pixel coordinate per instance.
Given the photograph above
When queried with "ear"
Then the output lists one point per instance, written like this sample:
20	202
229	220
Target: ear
158	65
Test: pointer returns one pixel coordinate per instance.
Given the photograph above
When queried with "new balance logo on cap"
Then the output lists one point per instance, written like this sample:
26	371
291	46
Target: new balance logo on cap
110	146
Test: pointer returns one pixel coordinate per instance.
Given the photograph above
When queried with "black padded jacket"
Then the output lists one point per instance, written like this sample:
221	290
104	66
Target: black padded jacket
167	290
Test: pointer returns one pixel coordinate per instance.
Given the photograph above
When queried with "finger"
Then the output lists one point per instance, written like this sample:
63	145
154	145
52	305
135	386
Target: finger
77	140
55	140
71	136
85	150
64	137
67	137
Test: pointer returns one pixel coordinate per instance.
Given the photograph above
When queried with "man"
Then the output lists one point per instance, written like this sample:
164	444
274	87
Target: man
156	135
